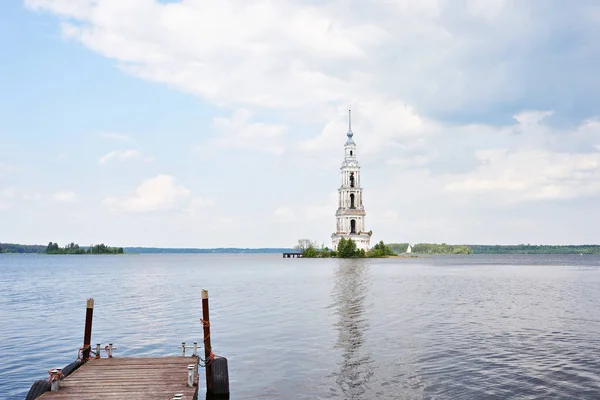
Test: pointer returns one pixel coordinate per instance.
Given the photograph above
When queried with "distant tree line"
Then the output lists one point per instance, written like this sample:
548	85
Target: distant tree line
21	248
431	248
223	250
435	248
443	248
73	248
398	248
536	249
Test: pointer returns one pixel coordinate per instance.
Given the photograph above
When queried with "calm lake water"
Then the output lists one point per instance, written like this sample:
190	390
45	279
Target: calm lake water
451	327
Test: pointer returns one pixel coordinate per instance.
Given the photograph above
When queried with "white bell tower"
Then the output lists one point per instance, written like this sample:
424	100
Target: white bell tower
350	215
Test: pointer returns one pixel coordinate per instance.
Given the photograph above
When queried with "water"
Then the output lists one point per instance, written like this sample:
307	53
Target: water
453	327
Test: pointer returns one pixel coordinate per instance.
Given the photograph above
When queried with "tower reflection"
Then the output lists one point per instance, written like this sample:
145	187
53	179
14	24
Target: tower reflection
349	293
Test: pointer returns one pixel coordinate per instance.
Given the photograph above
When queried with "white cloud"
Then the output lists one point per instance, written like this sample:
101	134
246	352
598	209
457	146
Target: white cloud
533	174
65	197
123	155
378	125
292	55
262	54
158	193
529	118
239	132
541	163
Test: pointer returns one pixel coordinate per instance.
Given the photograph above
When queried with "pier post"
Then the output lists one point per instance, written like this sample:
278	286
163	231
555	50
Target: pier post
55	375
190	382
87	334
207	347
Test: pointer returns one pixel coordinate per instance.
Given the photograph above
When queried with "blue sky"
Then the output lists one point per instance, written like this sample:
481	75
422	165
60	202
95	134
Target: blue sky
209	124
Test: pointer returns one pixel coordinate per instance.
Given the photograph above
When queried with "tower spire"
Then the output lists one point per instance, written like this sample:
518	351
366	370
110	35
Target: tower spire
349	119
349	134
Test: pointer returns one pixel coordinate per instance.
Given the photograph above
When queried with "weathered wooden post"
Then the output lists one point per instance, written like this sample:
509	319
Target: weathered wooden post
217	375
87	334
207	347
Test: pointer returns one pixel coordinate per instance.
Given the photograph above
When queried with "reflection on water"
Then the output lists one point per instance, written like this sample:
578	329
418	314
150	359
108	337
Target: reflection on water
350	290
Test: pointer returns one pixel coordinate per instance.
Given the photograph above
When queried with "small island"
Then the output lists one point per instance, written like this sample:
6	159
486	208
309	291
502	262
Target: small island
54	248
346	248
73	248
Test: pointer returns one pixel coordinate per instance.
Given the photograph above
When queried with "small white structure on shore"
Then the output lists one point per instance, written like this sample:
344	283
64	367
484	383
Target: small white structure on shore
408	249
350	215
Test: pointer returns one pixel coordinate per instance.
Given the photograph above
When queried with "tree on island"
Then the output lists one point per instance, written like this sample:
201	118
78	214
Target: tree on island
346	248
308	248
380	250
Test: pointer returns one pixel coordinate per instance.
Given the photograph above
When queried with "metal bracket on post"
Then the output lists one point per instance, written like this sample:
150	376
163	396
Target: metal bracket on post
109	350
55	375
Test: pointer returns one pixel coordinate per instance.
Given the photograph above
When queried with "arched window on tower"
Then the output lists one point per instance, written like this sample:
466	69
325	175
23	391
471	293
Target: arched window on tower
350	152
352	226
352	200
351	179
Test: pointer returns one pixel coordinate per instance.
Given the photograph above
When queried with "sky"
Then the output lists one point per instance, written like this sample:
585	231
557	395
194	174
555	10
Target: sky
221	123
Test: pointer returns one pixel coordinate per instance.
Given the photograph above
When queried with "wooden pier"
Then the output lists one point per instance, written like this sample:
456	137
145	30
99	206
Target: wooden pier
129	378
292	255
93	377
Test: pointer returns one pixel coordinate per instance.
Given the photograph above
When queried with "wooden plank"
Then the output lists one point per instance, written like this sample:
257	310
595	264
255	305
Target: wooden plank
132	378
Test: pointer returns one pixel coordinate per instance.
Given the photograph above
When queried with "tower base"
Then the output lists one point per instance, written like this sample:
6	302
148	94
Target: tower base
362	240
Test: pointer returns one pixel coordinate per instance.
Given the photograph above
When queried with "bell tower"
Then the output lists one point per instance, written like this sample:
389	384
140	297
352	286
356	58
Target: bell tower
350	215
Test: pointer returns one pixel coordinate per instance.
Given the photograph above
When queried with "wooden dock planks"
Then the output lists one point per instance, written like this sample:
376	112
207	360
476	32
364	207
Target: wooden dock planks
129	378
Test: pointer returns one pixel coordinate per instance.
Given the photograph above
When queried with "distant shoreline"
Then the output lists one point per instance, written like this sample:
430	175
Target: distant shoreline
9	248
12	248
